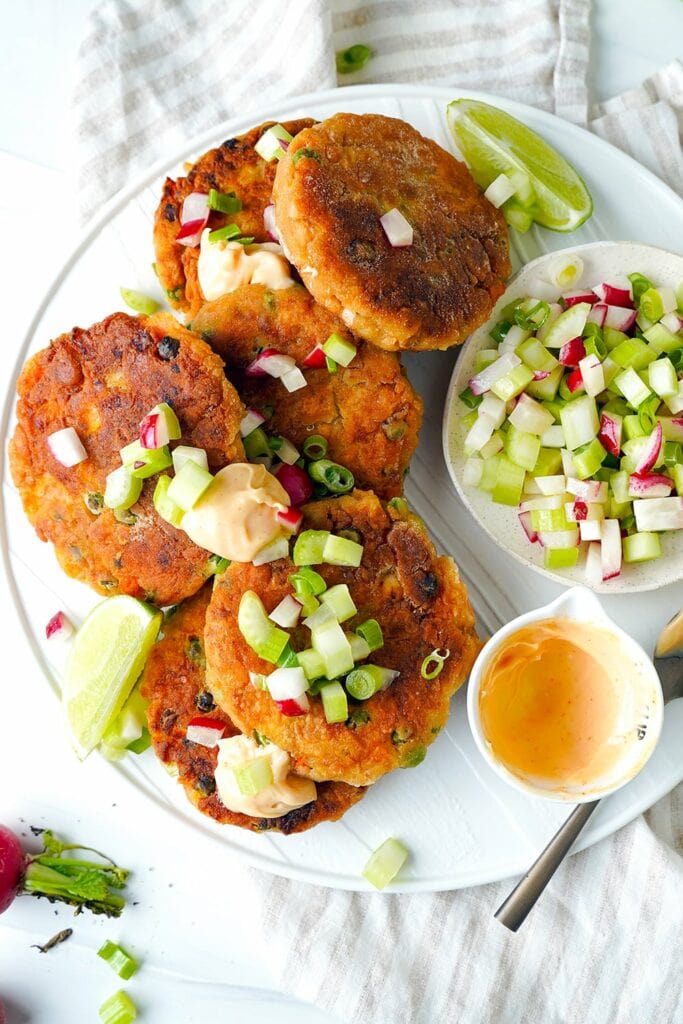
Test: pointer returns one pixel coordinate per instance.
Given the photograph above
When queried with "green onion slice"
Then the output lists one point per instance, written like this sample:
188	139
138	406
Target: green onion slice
639	285
119	961
385	863
433	663
534	318
352	59
225	234
138	301
118	1009
315	447
307	581
330	364
338	479
141	744
371	631
224	202
361	683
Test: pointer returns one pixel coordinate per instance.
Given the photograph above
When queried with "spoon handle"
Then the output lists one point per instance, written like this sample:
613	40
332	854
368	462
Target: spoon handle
512	913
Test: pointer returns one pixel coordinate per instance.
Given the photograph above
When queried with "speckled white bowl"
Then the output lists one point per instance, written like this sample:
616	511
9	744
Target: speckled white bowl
603	261
642	707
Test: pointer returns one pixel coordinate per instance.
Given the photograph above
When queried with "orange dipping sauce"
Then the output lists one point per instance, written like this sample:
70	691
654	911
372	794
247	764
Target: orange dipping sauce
550	701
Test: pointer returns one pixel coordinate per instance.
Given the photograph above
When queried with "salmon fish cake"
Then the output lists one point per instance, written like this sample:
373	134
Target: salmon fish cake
174	684
368	412
420	604
101	382
332	186
234	166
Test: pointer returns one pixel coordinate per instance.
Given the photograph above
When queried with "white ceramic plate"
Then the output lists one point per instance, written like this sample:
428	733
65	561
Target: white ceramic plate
603	261
462	824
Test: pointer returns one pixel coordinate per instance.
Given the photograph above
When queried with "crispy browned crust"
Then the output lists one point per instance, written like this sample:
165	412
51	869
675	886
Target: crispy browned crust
420	603
234	166
368	412
429	295
102	381
173	680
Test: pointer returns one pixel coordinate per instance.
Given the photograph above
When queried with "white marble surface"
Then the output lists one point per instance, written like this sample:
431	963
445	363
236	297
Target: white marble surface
632	38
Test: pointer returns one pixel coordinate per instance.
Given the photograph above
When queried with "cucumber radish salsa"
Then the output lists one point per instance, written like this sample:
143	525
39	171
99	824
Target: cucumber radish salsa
576	419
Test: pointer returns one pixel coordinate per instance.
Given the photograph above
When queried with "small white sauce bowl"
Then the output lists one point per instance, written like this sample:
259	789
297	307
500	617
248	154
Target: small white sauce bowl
603	261
642	707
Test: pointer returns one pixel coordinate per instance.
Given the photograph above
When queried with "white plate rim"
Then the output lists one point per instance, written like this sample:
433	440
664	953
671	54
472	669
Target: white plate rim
209	137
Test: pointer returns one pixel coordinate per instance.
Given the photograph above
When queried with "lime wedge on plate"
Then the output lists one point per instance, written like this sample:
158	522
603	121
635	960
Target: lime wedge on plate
107	656
492	143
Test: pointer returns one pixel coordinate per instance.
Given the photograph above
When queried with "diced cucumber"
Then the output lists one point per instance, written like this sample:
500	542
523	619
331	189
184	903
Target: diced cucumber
641	547
509	482
513	383
266	639
580	421
546	389
632	387
522	448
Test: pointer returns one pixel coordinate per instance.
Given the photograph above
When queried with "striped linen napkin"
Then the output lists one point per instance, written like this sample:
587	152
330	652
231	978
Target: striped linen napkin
604	945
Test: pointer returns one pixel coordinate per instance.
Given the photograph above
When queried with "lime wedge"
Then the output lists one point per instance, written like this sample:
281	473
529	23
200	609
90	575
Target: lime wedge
492	143
107	656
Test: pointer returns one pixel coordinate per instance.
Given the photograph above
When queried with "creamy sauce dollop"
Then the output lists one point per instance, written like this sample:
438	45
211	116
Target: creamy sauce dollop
551	702
223	267
286	792
237	514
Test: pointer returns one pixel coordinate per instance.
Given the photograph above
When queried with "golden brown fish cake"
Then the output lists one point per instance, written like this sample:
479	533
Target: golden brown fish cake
420	603
334	183
102	381
174	684
235	166
368	412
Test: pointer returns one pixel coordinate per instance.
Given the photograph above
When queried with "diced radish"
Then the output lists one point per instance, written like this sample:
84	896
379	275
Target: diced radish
290	519
590	529
258	681
575	380
673	322
270	363
610	549
286	683
159	426
293	379
251	421
609	434
545	502
530	416
494	407
472	472
286	613
190	234
613	295
194	217
559	539
588	490
269	223
287	452
649	485
568	467
205	731
568	325
514	337
296	482
658	514
583	295
591	371
482	382
479	433
397	229
651	451
541	374
571	353
315	358
553	437
549	485
619	318
66	447
525	523
499	191
594	564
278	548
59	627
598	314
292	708
576	511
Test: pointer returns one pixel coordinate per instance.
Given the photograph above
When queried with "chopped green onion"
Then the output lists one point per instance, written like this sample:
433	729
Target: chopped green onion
361	683
217	565
337	479
256	445
253	776
385	863
224	234
307	580
335	702
339	600
142	743
330	364
500	330
145	462
433	664
639	285
94	502
341	551
651	304
647	413
122	489
118	1009
315	447
165	506
119	961
138	301
595	346
224	202
533	318
288	658
187	487
470	399
305	153
125	516
257	629
359	647
309	547
245	240
371	631
352	59
339	349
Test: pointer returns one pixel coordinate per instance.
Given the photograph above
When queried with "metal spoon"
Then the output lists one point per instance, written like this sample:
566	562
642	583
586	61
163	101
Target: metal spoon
668	660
